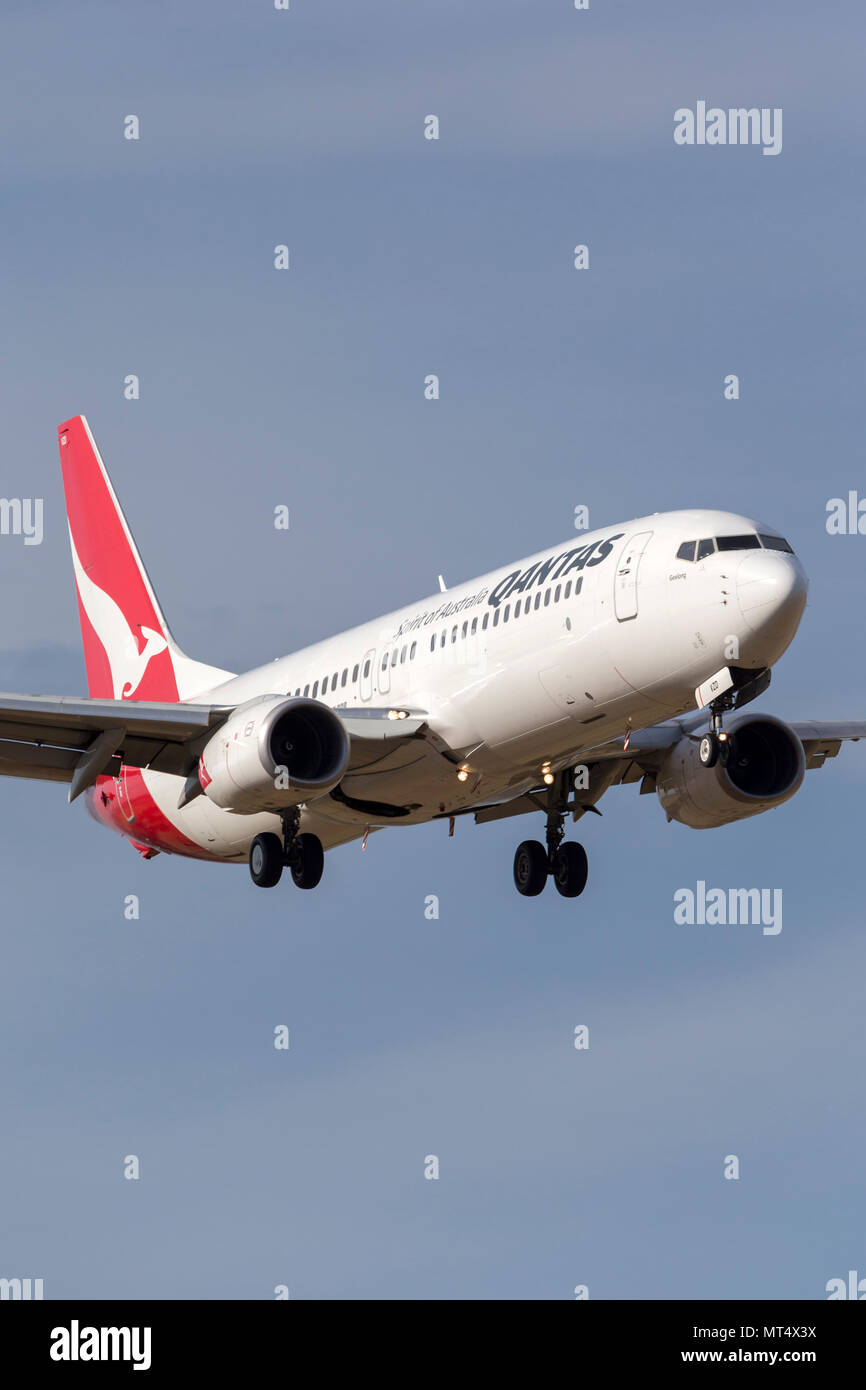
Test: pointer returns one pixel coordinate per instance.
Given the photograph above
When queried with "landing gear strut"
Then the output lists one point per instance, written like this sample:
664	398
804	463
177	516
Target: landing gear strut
301	854
566	863
717	746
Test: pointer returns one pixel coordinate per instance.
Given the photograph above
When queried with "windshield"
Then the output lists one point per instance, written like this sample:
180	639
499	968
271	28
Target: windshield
699	550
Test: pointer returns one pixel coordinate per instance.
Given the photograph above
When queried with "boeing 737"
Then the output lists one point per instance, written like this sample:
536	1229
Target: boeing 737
624	655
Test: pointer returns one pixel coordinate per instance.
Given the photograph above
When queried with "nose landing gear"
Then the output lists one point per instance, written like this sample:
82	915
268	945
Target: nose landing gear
717	746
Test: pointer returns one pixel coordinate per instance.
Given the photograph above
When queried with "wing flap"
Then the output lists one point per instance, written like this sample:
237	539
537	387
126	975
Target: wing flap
43	764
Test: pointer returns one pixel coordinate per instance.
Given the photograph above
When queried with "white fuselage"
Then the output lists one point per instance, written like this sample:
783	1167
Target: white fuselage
614	632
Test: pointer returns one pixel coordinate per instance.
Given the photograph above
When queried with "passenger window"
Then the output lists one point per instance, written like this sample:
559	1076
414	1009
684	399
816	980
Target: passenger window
394	655
306	690
384	661
537	600
402	656
547	598
705	548
334	680
315	689
442	638
465	629
345	676
412	651
557	591
474	627
354	674
507	612
567	593
325	686
454	633
496	617
433	642
484	621
366	668
687	550
517	609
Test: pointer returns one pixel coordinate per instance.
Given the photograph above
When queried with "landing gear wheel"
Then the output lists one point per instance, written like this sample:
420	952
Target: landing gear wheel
530	868
266	860
708	750
570	869
306	860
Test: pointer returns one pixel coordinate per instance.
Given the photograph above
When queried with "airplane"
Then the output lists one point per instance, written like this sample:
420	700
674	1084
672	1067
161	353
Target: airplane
623	655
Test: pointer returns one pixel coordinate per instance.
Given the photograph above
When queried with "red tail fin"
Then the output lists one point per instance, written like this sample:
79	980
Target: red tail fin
128	649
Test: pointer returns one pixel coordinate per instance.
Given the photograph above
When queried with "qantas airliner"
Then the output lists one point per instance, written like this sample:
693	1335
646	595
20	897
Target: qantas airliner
622	655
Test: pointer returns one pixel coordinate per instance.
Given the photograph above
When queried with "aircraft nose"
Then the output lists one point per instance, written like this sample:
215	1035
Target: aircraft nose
771	590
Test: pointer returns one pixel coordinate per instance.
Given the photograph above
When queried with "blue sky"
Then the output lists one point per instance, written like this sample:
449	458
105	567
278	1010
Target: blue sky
411	1037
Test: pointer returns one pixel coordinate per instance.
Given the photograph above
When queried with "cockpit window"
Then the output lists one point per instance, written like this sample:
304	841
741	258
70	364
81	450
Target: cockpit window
691	550
775	543
738	542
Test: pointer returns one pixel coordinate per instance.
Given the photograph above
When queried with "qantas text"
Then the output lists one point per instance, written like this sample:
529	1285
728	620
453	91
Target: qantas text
556	567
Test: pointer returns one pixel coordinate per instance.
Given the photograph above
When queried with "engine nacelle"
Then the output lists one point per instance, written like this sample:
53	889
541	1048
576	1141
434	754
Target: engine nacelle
274	753
767	768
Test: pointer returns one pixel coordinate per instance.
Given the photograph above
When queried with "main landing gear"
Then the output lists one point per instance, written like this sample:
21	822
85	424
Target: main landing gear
301	854
565	863
717	746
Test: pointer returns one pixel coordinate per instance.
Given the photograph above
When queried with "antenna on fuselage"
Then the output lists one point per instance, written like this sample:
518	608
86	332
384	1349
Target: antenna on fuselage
443	587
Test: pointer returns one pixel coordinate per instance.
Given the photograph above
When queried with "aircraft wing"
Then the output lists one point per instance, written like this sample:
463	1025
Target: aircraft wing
376	734
820	740
73	739
612	764
823	740
47	736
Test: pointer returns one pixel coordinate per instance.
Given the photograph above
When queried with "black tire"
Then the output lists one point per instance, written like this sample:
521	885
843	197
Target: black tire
530	868
570	869
266	861
708	750
307	861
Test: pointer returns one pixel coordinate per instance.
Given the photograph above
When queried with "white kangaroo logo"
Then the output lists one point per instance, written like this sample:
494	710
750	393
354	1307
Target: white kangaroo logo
127	663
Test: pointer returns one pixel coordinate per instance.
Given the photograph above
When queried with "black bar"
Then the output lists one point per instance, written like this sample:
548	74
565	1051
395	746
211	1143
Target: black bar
219	1339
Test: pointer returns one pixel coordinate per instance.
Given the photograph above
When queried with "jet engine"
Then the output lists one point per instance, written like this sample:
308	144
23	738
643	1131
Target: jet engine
274	753
766	766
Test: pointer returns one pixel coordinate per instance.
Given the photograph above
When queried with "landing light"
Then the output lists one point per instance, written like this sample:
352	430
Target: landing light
462	773
546	774
398	714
